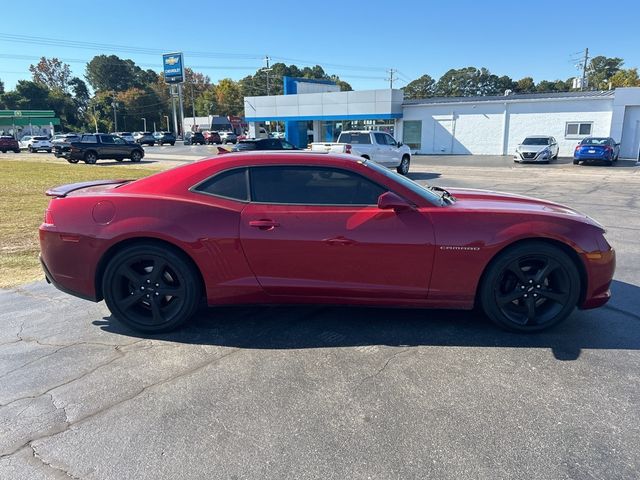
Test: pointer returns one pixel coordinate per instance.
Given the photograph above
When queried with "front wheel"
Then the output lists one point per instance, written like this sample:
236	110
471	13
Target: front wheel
530	287
72	160
136	156
151	288
403	168
30	148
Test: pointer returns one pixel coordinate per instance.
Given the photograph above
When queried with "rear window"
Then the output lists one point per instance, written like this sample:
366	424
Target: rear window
229	184
354	138
595	141
247	146
40	138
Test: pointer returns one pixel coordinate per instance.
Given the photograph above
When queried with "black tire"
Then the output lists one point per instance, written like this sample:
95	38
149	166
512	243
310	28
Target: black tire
151	288
530	287
72	160
119	159
30	148
403	168
136	156
17	150
90	158
172	143
576	162
3	151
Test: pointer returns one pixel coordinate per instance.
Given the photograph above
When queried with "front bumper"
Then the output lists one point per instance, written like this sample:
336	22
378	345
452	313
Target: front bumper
529	157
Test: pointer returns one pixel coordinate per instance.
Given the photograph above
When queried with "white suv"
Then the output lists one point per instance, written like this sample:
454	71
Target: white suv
35	144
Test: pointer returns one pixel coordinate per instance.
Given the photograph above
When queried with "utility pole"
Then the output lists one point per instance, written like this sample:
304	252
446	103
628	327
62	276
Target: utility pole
267	70
95	118
181	103
193	106
391	72
584	69
144	120
115	115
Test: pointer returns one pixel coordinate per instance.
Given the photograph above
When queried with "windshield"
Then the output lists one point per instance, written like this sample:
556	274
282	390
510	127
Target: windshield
354	138
424	192
535	141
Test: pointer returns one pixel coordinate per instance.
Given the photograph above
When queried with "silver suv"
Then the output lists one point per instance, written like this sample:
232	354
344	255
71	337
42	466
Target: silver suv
537	148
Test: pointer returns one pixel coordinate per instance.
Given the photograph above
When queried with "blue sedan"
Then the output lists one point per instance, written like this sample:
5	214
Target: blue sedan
597	148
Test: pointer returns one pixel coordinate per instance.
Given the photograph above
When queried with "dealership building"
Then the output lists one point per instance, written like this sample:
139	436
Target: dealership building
490	125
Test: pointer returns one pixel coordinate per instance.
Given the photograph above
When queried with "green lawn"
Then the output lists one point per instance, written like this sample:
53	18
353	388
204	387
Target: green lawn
22	203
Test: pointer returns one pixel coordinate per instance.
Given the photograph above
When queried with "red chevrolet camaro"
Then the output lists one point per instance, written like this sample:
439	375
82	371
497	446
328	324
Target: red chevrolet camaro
290	227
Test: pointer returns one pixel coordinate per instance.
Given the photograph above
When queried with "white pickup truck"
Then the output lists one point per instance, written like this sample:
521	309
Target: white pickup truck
377	146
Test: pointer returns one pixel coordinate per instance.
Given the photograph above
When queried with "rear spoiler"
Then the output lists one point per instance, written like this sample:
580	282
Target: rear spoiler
64	190
222	150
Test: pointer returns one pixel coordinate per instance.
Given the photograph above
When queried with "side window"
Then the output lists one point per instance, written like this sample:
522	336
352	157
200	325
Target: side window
390	140
229	184
89	139
119	141
286	145
106	139
303	185
380	138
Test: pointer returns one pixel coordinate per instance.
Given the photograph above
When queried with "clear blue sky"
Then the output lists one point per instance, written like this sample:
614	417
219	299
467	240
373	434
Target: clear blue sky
355	40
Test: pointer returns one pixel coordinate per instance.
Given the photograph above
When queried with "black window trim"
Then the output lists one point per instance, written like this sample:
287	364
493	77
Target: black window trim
349	205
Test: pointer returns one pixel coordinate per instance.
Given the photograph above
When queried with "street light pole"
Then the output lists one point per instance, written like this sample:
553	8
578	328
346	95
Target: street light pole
168	127
145	124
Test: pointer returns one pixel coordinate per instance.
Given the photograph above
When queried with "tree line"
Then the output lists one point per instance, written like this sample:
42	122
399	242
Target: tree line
137	93
602	73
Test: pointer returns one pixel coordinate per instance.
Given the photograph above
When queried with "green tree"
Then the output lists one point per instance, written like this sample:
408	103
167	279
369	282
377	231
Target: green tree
625	78
207	102
80	94
1	87
229	97
525	85
110	73
423	87
52	73
601	69
471	81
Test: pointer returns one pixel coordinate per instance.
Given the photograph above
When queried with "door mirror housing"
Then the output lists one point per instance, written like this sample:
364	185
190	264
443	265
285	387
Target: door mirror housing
391	201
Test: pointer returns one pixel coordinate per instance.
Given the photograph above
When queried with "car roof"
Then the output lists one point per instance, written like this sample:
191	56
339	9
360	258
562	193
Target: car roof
538	136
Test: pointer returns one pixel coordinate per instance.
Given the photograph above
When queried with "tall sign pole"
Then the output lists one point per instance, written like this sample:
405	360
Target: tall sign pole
173	104
173	69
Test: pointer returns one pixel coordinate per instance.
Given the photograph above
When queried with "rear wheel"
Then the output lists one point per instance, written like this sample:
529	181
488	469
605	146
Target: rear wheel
151	288
530	287
403	168
72	160
136	156
30	148
576	162
90	158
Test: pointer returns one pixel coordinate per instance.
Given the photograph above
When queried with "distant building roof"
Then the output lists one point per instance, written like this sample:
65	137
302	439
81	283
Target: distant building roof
513	96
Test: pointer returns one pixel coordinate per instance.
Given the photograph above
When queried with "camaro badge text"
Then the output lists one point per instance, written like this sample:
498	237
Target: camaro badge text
456	247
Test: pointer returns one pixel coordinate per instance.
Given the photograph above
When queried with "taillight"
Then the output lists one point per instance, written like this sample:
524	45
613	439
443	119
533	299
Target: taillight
347	148
578	147
608	148
48	217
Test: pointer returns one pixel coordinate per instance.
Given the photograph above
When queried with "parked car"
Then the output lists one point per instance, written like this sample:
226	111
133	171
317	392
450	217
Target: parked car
227	136
211	137
164	137
36	144
597	148
144	138
128	136
8	143
377	146
270	219
60	141
537	148
194	138
93	147
264	144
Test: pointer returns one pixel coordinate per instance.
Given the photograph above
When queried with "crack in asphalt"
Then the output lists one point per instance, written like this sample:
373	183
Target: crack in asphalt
35	455
384	367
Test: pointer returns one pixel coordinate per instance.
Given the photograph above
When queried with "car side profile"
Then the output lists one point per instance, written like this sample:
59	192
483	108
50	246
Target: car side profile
99	146
293	227
264	144
597	148
537	148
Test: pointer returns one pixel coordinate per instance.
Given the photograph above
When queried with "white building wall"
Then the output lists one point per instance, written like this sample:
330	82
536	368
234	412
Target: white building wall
496	128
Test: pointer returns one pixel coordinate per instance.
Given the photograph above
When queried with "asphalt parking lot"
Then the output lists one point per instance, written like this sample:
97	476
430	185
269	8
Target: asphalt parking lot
331	392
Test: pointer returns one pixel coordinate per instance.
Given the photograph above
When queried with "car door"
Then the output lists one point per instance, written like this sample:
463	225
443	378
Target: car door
394	149
317	232
120	147
383	151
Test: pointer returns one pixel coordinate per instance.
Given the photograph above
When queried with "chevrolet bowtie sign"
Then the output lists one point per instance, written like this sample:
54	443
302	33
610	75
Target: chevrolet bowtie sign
173	67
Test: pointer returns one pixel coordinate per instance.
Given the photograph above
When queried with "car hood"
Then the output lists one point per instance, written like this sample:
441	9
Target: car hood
531	148
490	201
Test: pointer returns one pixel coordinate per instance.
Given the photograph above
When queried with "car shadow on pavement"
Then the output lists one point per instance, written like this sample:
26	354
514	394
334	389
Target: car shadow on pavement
614	326
423	175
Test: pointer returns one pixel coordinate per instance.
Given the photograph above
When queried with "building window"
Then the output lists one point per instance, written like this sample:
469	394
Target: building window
412	134
578	129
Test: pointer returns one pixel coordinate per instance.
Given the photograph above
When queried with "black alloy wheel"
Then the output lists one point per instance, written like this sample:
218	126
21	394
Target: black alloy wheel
530	287
151	288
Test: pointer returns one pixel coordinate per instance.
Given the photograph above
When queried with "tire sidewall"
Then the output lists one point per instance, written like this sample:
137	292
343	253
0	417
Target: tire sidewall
178	263
492	275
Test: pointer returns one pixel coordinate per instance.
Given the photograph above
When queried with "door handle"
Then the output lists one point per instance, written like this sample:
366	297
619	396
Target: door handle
264	224
339	241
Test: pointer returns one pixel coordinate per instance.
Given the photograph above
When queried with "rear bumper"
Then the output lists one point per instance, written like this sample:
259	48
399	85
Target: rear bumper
51	279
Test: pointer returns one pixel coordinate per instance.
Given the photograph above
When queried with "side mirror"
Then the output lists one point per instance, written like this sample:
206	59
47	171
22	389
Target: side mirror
398	144
391	201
